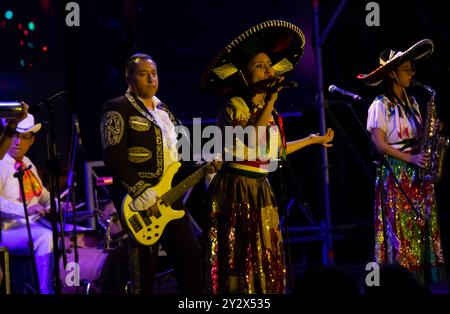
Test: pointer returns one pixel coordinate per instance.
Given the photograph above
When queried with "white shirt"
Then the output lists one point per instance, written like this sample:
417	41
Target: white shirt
168	131
392	119
10	191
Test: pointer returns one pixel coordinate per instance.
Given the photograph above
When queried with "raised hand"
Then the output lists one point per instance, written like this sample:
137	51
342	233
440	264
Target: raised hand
24	113
324	139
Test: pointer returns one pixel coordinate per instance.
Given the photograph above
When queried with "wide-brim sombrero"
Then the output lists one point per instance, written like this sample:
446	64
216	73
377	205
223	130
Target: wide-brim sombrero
283	41
419	50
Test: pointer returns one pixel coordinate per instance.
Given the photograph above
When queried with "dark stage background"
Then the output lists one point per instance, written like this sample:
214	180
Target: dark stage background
182	36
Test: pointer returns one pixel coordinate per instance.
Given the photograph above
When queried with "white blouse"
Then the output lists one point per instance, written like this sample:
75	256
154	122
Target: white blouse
392	119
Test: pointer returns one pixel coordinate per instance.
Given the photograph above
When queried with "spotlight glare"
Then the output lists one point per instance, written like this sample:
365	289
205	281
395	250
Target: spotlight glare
9	14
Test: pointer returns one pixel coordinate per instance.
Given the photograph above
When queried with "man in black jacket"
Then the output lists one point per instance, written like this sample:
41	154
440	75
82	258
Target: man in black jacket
139	143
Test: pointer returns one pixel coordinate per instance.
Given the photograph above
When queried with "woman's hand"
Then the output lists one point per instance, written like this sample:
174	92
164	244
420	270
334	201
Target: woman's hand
323	140
419	159
273	88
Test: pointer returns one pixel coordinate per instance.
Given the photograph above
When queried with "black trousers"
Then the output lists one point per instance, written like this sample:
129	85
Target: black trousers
181	246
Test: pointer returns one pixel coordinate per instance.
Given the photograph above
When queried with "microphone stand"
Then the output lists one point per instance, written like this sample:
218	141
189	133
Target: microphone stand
382	160
286	226
54	194
19	175
71	192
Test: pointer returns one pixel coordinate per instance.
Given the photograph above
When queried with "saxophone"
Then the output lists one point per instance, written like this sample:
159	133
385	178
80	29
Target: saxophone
432	143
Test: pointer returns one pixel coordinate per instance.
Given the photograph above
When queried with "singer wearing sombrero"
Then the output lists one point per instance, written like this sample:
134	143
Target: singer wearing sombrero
403	235
243	244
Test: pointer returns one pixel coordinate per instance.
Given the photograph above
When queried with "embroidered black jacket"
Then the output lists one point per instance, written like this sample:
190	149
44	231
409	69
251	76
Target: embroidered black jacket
132	144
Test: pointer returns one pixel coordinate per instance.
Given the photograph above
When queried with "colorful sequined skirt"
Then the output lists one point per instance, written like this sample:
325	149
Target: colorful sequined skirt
243	242
412	235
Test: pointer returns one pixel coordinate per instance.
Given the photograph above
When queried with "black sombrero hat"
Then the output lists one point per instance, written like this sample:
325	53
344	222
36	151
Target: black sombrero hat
391	59
282	41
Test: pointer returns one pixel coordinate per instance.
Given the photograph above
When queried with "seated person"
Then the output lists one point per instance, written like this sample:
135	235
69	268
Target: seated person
13	228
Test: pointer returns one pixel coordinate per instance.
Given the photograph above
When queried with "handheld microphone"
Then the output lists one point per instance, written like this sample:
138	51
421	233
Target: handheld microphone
285	84
334	89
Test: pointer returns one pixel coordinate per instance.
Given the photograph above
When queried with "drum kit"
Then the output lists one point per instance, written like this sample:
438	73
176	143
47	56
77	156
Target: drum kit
102	255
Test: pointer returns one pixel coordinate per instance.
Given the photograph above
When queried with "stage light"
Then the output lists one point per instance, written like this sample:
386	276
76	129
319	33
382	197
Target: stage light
44	49
9	14
22	62
31	26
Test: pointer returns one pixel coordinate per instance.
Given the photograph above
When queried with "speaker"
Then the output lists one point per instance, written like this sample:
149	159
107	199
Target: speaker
5	284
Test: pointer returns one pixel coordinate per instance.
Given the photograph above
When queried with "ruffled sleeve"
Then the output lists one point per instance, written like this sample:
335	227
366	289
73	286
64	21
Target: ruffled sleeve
234	112
377	117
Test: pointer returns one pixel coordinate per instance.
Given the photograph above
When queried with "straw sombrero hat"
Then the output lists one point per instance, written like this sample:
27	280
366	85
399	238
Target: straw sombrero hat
391	59
284	42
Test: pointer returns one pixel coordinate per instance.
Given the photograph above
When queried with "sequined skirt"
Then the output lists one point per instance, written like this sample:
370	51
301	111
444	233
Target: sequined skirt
243	243
412	235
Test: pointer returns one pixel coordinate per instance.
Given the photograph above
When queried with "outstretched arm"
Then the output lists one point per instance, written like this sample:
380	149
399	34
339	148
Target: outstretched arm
309	140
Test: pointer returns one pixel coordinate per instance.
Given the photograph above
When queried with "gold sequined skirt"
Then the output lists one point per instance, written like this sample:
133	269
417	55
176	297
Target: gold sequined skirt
243	242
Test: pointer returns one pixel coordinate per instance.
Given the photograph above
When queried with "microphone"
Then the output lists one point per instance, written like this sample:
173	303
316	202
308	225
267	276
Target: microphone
415	83
36	108
334	89
287	84
274	88
77	129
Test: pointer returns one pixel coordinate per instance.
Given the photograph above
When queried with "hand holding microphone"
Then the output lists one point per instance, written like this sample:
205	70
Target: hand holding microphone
275	85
